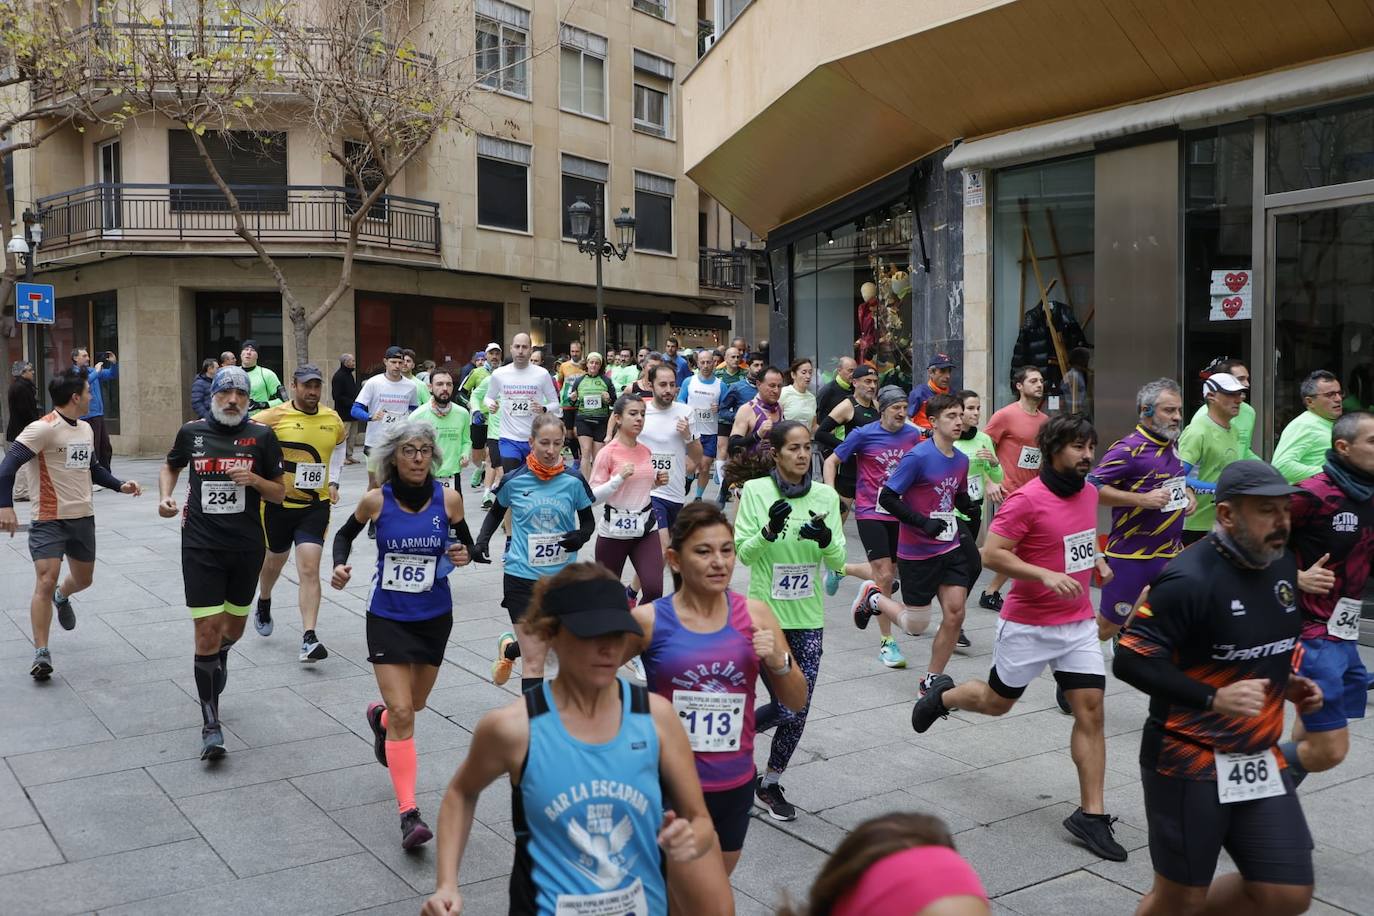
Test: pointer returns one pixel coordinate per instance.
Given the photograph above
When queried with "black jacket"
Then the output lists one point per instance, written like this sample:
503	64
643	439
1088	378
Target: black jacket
1035	346
23	404
345	388
200	396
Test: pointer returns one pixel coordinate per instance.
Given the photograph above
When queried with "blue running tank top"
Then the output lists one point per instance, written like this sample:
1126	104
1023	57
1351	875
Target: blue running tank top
411	580
587	816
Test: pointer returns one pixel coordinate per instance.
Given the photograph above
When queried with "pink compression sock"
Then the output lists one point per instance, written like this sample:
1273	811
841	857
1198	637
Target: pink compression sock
402	764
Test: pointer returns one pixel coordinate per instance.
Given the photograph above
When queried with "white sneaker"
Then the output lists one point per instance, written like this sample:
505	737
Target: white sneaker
637	669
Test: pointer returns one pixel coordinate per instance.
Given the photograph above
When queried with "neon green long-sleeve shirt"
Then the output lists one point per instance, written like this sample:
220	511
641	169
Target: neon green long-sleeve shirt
788	565
1302	448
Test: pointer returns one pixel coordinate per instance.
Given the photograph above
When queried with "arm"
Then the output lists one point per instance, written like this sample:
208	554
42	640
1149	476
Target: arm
1145	656
1000	557
1113	496
550	395
101	476
635	645
359	412
336	462
891	500
834	554
166	483
18	456
492	397
770	645
1289	459
742	435
830	469
825	433
369	507
750	521
489	525
688	832
607	488
1195	483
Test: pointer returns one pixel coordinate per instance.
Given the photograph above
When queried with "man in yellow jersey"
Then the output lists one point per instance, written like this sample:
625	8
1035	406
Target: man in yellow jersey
310	435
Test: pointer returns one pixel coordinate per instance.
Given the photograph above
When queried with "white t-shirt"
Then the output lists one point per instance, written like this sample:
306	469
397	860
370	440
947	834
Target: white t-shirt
514	392
396	399
703	398
661	437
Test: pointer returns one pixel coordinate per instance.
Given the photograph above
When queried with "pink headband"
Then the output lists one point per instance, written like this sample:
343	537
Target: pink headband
906	882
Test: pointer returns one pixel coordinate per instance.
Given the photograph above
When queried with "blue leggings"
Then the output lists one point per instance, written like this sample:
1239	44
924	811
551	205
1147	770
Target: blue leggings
806	655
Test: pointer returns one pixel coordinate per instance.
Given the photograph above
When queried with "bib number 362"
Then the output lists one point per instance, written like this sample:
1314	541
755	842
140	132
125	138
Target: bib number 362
1079	551
1029	459
1245	777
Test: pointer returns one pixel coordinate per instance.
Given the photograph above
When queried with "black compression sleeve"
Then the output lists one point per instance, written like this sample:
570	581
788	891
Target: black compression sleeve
15	458
491	522
586	523
963	503
343	541
825	434
101	477
1158	676
892	502
463	536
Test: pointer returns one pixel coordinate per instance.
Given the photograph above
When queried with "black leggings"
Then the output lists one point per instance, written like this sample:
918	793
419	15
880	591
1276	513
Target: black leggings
645	553
806	646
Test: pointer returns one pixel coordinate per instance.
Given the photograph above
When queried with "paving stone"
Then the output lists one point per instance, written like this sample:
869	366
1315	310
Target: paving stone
141	709
124	673
261	764
466	704
15	808
1078	893
1342	817
112	756
774	862
266	827
827	783
275	716
69	731
113	812
1344	881
22	848
851	814
336	789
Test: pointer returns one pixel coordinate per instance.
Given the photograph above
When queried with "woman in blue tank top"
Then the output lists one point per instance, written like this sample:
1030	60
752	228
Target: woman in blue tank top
409	610
703	649
603	785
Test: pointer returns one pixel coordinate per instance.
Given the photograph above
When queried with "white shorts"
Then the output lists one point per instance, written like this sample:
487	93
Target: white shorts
1022	650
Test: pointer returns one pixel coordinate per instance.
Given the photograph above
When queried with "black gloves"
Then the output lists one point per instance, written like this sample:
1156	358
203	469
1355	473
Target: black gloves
481	550
778	514
816	530
573	540
934	527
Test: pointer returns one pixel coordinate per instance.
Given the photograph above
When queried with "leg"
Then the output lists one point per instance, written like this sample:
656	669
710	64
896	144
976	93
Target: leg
612	553
978	696
395	683
1232	894
646	554
952	598
272	566
80	573
996	585
806	646
1088	746
40	605
308	569
533	652
1169	898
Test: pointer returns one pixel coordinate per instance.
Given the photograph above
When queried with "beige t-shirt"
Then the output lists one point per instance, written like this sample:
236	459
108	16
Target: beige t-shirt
60	482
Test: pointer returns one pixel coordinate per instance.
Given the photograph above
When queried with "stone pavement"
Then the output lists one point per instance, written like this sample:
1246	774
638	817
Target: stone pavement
105	807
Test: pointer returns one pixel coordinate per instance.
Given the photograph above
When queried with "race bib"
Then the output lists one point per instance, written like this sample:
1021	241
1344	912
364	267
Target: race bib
546	551
705	414
517	407
79	456
662	461
445	482
1079	551
1344	622
1177	488
878	505
591	401
951	526
975	488
1030	458
630	901
310	476
221	497
1246	777
625	523
408	572
793	581
714	721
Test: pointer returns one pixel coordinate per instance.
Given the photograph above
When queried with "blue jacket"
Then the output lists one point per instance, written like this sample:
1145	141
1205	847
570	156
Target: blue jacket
200	396
735	397
98	399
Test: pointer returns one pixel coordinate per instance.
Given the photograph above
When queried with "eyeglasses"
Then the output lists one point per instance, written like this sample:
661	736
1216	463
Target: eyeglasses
410	451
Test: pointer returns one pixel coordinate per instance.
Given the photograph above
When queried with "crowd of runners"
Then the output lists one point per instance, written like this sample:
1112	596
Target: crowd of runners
1228	586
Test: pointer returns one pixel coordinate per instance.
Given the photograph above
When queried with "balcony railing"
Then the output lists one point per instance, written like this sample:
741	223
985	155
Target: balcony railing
199	213
720	269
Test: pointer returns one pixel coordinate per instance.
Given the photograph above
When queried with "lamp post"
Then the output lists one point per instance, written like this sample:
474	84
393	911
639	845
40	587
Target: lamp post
589	228
27	248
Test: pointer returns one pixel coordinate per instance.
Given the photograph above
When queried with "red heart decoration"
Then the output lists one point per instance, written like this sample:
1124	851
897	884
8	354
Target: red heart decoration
1231	306
1236	282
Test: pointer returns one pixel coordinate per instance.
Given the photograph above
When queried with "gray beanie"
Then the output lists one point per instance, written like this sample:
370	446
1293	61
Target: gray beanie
20	367
889	395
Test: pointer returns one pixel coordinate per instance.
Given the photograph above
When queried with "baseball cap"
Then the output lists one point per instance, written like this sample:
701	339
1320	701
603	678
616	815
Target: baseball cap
1222	381
230	377
940	361
591	609
308	372
492	346
1251	478
889	395
393	352
864	372
249	344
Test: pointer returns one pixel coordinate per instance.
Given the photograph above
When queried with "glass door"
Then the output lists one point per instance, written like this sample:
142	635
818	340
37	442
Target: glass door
111	175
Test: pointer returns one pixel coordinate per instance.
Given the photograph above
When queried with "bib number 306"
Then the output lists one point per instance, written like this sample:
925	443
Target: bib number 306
1079	551
1245	777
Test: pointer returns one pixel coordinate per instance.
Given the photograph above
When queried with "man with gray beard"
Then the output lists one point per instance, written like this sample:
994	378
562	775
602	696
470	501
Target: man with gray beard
236	463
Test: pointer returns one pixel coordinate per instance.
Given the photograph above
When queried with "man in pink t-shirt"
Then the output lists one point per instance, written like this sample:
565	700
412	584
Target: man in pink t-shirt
1013	431
1045	537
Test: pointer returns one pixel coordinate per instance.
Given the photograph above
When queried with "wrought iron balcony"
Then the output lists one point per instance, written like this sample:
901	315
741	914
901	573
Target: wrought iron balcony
720	269
300	214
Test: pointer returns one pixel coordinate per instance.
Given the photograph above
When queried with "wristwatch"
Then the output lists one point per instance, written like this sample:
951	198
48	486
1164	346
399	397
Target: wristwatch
786	665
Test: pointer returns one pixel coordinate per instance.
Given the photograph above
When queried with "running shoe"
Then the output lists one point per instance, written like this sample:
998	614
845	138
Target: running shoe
374	721
991	601
1095	831
487	500
637	669
861	608
832	582
963	642
930	707
502	667
211	742
42	664
890	654
631	596
262	617
66	616
312	650
414	832
772	799
476	479
1062	700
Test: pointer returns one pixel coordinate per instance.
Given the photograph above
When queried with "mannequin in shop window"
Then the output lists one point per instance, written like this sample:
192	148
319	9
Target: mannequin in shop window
1078	389
868	321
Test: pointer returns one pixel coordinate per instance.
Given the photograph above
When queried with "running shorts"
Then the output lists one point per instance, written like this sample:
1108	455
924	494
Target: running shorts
284	527
513	454
1128	578
921	579
879	538
73	538
1267	837
1336	666
493	452
569	418
593	428
517	593
729	810
479	437
1022	650
665	512
407	642
220	580
708	444
723	429
845	484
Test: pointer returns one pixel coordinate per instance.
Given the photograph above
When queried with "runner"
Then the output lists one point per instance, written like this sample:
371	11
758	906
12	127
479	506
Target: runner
788	525
837	389
519	391
854	412
983	470
922	493
600	770
729	372
590	395
63	521
384	399
267	388
939	371
797	399
702	394
1244	421
704	648
408	370
235	464
753	420
875	450
1213	645
421	537
1014	431
625	372
1302	448
453	426
1333	533
1044	537
309	435
494	472
1207	445
622	478
473	402
734	395
551	512
668	434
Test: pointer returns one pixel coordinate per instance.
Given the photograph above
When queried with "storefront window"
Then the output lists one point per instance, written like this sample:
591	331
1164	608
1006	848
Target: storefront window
444	330
1324	146
82	321
1043	246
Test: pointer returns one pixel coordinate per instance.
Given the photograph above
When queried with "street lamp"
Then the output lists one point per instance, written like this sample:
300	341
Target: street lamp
27	248
589	229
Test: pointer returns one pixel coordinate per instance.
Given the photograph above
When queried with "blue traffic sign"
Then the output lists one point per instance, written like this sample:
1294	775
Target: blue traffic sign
34	303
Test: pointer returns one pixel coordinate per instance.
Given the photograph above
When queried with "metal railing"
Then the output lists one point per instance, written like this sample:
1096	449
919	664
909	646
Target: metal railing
720	269
200	213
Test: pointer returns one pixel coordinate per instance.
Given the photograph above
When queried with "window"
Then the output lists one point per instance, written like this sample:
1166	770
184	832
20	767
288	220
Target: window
657	8
582	178
9	176
653	213
503	184
653	90
503	42
241	157
582	69
359	155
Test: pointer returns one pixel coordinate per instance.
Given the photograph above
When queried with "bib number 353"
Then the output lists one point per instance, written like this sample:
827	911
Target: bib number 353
1245	777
